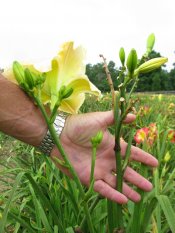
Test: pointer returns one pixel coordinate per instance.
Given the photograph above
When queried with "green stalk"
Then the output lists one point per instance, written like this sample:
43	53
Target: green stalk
93	205
138	207
115	210
112	216
94	153
157	193
63	154
119	180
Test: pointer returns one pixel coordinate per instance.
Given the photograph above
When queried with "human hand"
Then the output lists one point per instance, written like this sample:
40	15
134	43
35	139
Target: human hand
76	140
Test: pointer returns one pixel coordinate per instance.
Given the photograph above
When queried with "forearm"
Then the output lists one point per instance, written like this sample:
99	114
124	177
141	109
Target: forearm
19	117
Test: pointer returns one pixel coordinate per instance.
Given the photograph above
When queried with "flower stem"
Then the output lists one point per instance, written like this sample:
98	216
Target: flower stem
94	153
119	180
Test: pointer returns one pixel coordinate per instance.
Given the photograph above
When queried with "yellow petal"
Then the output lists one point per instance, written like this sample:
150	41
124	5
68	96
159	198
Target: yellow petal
72	104
83	84
71	62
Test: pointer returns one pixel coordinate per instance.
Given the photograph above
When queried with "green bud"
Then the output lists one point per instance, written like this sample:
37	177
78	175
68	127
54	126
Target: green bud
65	92
39	78
152	64
61	92
96	140
18	71
29	79
122	55
167	157
150	42
68	92
132	61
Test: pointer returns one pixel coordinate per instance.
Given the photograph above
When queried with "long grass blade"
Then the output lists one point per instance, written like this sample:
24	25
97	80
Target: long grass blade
5	213
168	211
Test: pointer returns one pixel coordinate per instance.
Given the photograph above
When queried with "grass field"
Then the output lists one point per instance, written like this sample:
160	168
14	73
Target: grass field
47	201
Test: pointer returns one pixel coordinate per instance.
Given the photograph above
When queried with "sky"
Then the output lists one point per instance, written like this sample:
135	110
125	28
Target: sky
33	30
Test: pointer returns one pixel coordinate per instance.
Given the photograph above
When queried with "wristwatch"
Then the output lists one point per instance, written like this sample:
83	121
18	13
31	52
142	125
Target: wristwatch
47	143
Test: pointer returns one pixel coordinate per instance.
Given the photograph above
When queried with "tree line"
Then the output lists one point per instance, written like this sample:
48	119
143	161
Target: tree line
158	80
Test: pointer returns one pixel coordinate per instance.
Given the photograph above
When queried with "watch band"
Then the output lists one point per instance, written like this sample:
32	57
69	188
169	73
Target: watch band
47	143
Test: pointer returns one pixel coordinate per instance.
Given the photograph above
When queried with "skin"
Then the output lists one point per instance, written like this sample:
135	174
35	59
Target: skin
20	118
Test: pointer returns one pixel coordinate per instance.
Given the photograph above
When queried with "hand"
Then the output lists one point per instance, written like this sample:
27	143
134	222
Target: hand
75	138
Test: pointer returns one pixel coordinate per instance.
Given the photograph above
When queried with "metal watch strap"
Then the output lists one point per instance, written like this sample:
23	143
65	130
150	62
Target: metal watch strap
47	143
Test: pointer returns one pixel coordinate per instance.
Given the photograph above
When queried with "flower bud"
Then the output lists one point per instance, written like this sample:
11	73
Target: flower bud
167	157
152	64
18	71
132	61
96	140
29	79
65	92
122	55
150	42
39	78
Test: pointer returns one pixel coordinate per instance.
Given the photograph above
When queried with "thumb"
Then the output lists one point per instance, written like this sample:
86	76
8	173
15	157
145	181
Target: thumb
107	118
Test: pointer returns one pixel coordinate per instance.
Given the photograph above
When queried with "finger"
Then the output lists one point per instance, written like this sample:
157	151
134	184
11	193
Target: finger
139	155
127	191
129	118
107	118
136	179
107	191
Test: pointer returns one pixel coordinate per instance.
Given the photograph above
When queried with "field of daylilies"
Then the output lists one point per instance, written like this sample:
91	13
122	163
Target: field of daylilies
41	201
36	197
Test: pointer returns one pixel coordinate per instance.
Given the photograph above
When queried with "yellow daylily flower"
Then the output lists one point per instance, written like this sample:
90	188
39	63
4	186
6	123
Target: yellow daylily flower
68	69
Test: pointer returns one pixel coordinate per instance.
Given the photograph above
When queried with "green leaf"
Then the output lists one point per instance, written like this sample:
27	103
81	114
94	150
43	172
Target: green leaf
21	221
70	230
44	200
3	221
168	211
149	208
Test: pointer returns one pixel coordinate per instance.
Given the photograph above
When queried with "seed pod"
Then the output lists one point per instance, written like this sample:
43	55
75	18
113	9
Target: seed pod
122	55
132	61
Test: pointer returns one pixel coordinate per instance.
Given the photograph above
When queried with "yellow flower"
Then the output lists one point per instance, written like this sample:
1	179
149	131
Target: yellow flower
67	70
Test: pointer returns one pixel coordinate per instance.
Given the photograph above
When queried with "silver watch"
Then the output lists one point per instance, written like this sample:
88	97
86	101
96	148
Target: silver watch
47	143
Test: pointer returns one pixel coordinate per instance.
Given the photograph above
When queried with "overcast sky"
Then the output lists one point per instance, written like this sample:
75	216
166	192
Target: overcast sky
34	29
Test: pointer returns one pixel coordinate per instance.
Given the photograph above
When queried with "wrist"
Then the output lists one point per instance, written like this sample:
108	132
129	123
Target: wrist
47	143
19	116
